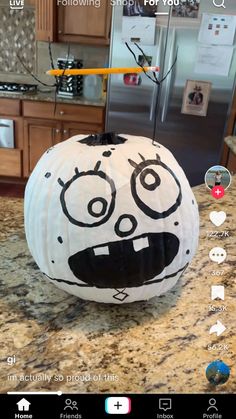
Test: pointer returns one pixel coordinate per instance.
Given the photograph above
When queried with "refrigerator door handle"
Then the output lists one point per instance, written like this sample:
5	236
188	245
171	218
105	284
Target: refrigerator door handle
153	103
155	92
169	79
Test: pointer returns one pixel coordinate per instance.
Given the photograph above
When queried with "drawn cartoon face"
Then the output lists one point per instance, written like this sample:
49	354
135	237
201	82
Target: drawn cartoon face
124	220
121	263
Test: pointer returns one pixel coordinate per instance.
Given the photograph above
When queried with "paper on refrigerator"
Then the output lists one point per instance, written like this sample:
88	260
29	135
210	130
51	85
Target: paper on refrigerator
213	59
139	29
217	29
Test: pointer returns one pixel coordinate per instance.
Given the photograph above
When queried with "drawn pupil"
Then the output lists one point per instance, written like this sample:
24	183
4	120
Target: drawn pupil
97	210
149	174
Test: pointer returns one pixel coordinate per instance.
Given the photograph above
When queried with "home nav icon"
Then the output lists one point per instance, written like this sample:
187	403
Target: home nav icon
23	405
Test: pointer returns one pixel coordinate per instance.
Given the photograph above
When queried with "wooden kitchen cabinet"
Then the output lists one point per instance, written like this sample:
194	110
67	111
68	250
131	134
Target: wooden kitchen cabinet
38	126
10	162
46	20
228	157
11	158
69	129
10	107
83	24
39	135
43	127
91	115
231	164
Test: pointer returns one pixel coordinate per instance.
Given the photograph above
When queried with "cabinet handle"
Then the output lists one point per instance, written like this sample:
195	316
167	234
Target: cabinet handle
62	112
65	131
59	31
58	131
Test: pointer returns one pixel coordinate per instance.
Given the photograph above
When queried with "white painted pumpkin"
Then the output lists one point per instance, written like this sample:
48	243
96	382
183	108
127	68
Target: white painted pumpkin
111	223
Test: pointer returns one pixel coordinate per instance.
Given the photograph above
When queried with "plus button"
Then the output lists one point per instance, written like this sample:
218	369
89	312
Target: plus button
218	192
118	405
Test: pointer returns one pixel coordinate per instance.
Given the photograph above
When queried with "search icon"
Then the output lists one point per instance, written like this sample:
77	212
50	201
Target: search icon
222	4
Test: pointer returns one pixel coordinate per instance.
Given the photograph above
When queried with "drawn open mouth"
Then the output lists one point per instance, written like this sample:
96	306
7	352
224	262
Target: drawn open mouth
125	263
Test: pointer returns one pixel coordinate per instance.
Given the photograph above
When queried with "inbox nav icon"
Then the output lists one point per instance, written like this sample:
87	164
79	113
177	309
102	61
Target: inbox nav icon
165	404
16	4
118	405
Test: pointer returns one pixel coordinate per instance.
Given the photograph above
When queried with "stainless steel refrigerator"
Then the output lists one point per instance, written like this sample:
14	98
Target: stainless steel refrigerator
196	141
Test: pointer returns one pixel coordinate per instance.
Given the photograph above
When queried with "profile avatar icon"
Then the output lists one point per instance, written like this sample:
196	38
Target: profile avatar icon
217	372
218	176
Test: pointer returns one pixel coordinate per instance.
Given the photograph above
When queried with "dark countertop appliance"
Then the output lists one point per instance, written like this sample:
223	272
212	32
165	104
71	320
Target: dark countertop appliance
10	87
70	86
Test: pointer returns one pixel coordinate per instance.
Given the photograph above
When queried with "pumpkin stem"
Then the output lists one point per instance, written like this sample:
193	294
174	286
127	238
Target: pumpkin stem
104	138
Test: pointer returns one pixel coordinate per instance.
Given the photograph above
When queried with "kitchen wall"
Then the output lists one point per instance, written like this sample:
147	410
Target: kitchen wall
91	56
17	37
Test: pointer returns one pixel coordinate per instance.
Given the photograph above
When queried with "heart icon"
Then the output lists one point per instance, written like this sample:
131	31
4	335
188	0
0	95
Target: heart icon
217	217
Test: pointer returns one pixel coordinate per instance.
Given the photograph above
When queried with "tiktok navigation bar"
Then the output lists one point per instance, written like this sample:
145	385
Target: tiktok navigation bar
138	406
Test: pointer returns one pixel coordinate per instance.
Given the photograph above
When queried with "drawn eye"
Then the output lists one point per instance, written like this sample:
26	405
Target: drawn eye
149	179
94	191
97	207
149	183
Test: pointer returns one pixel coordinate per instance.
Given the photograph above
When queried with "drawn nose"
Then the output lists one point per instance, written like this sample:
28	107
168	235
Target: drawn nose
125	225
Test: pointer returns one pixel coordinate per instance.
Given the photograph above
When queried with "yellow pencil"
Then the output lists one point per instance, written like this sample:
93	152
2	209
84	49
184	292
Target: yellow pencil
85	71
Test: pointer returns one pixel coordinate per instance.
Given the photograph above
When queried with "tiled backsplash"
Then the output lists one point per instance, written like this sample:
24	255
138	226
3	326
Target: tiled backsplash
17	36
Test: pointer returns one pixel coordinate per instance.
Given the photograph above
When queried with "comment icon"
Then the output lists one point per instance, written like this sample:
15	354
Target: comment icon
217	254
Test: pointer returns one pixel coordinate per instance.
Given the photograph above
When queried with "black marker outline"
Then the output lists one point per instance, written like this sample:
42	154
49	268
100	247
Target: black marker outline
107	153
103	210
119	293
143	207
137	286
95	172
125	233
150	186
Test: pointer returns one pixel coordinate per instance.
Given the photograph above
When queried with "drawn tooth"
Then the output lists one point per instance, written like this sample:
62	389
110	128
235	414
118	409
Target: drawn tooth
140	244
102	250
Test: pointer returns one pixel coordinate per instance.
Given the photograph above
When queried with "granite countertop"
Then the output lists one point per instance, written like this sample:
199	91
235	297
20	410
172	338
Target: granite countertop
49	96
231	143
146	347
